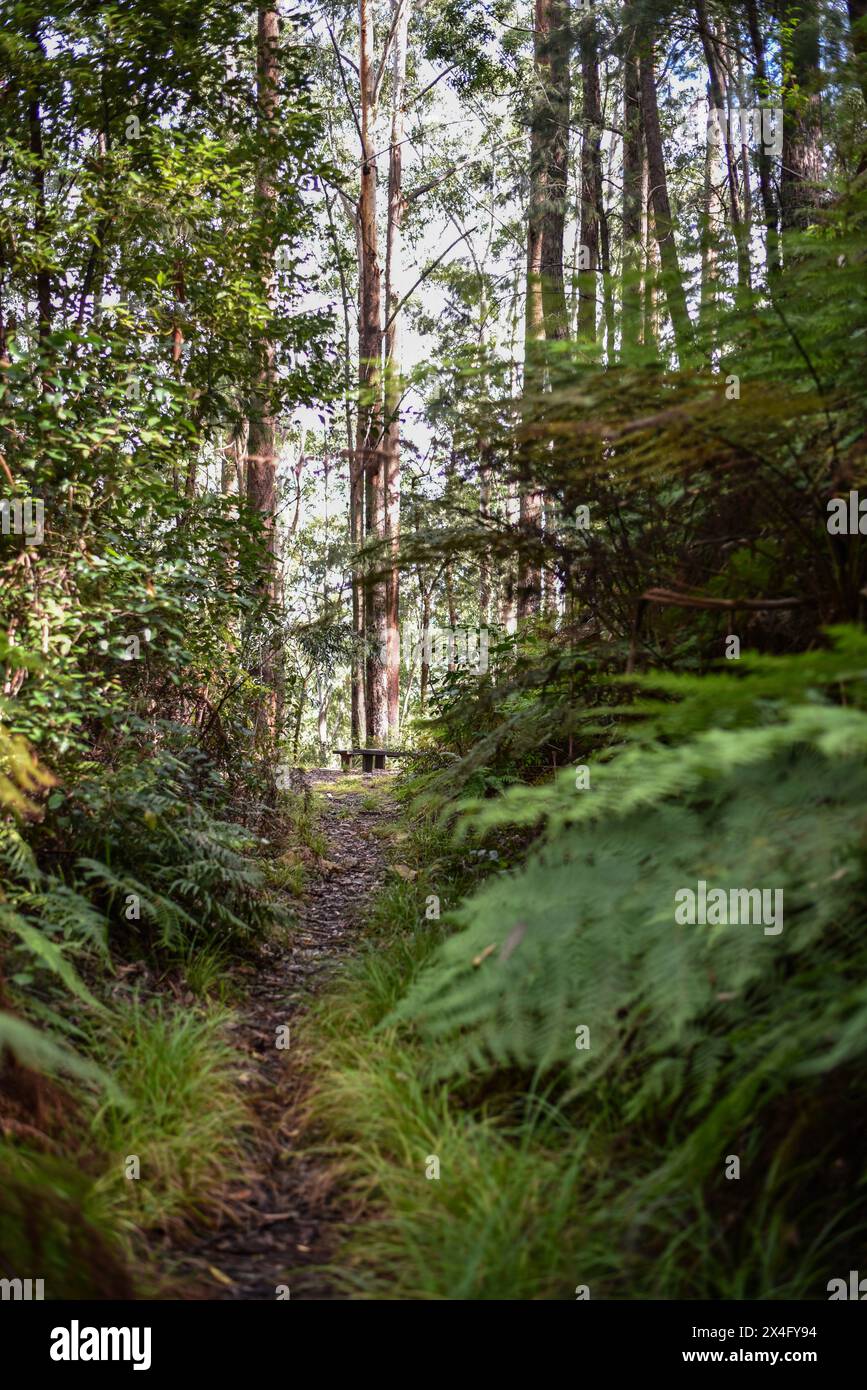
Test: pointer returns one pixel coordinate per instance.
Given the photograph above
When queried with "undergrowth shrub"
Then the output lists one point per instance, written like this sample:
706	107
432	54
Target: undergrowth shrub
130	864
180	1112
54	1227
772	794
702	1042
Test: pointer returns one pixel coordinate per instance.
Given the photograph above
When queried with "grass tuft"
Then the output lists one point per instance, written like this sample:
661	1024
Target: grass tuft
183	1117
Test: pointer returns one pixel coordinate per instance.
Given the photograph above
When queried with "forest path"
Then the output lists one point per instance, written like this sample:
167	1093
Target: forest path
285	1219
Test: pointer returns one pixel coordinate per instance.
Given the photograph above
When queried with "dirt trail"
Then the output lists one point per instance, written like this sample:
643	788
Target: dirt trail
285	1219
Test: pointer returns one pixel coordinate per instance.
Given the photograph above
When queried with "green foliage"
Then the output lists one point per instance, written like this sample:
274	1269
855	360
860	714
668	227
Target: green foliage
699	1038
194	875
149	678
492	1225
182	1114
172	880
132	630
704	1041
20	775
54	1227
713	1011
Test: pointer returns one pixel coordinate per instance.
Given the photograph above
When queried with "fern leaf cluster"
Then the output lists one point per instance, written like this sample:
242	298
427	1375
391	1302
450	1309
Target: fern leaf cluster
774	797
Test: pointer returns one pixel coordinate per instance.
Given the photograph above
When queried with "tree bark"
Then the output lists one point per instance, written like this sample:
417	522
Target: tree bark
530	502
43	275
261	438
424	679
391	463
711	224
649	295
675	294
369	436
485	464
262	429
719	100
546	314
633	159
858	36
553	50
801	174
591	181
766	186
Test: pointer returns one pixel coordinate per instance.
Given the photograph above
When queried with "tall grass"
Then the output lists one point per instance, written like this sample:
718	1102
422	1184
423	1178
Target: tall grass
183	1116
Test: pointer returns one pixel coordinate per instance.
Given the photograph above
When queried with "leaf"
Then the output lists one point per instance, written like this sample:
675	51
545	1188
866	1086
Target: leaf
40	1052
403	871
49	952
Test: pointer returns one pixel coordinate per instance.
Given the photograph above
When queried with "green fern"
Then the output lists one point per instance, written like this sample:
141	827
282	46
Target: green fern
584	933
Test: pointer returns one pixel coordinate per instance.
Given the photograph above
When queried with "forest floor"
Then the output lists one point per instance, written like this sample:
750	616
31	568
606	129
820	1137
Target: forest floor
281	1228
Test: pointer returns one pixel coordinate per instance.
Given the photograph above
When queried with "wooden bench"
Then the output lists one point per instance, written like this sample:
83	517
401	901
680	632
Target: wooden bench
370	757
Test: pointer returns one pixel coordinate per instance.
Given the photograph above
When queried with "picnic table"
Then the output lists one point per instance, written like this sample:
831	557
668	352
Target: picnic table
370	757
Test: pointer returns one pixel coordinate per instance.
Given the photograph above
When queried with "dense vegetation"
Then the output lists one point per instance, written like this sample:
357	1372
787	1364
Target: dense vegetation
441	377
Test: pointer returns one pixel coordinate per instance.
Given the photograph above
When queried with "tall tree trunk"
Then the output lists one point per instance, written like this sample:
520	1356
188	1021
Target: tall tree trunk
675	294
356	499
633	161
745	154
369	439
262	430
546	314
424	679
607	287
485	464
43	275
766	185
574	282
40	219
712	217
858	35
534	314
553	50
261	437
649	296
650	258
356	536
591	179
530	503
391	462
720	104
179	294
323	700
452	612
801	175
232	482
509	575
299	715
766	181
